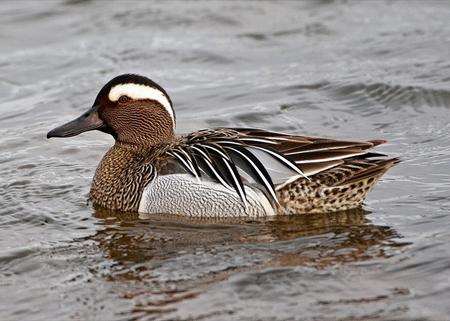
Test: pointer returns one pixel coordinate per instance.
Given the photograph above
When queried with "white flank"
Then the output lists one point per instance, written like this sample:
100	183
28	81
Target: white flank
190	197
137	91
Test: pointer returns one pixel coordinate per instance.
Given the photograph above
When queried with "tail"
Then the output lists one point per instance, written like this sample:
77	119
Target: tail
352	191
340	188
376	169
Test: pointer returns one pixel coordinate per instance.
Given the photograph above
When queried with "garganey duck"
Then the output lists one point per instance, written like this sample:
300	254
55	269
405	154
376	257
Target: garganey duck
221	172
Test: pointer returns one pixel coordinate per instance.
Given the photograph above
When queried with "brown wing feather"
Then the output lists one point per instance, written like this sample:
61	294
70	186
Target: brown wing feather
312	155
326	155
318	145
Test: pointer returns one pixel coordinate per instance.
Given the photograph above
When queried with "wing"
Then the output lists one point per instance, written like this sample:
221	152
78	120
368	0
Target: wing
235	157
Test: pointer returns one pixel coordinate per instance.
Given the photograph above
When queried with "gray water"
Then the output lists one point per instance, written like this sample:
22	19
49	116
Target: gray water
350	70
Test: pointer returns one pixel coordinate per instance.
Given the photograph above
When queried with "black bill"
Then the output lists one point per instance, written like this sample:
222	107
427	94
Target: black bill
90	120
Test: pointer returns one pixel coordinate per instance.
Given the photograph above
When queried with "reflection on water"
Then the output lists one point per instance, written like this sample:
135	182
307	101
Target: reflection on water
143	249
135	238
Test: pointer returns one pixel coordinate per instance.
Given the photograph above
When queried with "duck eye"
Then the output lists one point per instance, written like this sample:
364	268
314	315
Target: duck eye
123	99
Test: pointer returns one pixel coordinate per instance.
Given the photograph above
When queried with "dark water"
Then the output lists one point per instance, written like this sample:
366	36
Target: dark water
360	70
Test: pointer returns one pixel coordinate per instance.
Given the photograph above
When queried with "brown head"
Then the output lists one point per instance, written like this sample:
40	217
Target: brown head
132	108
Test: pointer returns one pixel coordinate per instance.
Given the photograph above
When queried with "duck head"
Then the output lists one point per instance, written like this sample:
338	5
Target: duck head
132	108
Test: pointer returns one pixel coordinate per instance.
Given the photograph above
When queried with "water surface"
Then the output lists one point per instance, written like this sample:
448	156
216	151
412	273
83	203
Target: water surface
350	70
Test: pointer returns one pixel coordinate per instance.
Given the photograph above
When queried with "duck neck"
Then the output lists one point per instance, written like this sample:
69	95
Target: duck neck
121	176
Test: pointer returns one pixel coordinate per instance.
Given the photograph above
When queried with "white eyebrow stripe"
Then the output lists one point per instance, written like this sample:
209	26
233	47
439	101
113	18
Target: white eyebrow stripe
137	91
